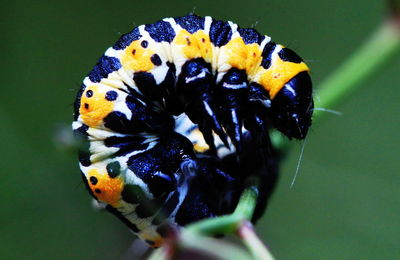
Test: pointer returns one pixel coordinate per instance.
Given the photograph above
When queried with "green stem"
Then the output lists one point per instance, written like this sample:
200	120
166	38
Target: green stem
229	223
362	64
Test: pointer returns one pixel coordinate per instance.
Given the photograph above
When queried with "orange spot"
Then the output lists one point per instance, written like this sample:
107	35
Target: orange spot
200	148
157	239
279	73
243	56
108	189
196	45
95	108
137	58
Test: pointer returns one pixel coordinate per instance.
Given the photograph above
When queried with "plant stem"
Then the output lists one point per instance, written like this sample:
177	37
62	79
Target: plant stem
229	223
253	243
362	64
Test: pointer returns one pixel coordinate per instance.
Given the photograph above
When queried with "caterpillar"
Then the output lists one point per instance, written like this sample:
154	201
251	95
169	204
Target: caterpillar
176	114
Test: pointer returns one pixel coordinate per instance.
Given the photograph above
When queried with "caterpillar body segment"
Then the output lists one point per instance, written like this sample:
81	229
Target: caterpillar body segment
169	114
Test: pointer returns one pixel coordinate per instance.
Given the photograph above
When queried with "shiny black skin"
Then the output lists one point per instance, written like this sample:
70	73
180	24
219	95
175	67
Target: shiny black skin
292	107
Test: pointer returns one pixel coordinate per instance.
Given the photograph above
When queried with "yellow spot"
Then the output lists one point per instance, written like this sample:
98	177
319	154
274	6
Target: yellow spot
200	145
280	72
201	148
106	189
242	56
95	107
137	58
196	45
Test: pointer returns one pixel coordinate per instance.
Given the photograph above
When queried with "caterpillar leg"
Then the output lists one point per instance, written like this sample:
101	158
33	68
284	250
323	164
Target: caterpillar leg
196	86
211	192
233	94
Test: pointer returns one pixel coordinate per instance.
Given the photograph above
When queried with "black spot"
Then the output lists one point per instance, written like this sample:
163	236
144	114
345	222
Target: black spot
111	95
113	169
146	83
104	66
220	33
191	23
89	93
133	51
127	39
118	122
133	194
250	35
126	144
161	31
266	54
156	59
86	105
288	55
93	180
98	191
144	44
84	157
77	103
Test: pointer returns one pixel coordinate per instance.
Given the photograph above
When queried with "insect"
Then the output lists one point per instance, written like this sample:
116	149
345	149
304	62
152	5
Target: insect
177	113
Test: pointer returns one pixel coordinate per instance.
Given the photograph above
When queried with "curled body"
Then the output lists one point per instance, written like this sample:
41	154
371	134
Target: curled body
170	113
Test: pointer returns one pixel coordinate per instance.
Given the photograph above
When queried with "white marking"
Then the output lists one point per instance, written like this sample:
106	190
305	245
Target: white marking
288	87
182	195
127	78
234	86
160	72
87	81
266	40
111	52
207	24
76	125
233	27
277	49
208	108
220	75
201	75
171	21
150	146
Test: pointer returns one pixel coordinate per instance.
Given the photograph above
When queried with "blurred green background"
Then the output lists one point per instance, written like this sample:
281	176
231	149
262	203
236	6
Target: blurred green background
344	205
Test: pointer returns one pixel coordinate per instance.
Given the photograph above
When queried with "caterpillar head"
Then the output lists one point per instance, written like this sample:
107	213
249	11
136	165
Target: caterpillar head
292	107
